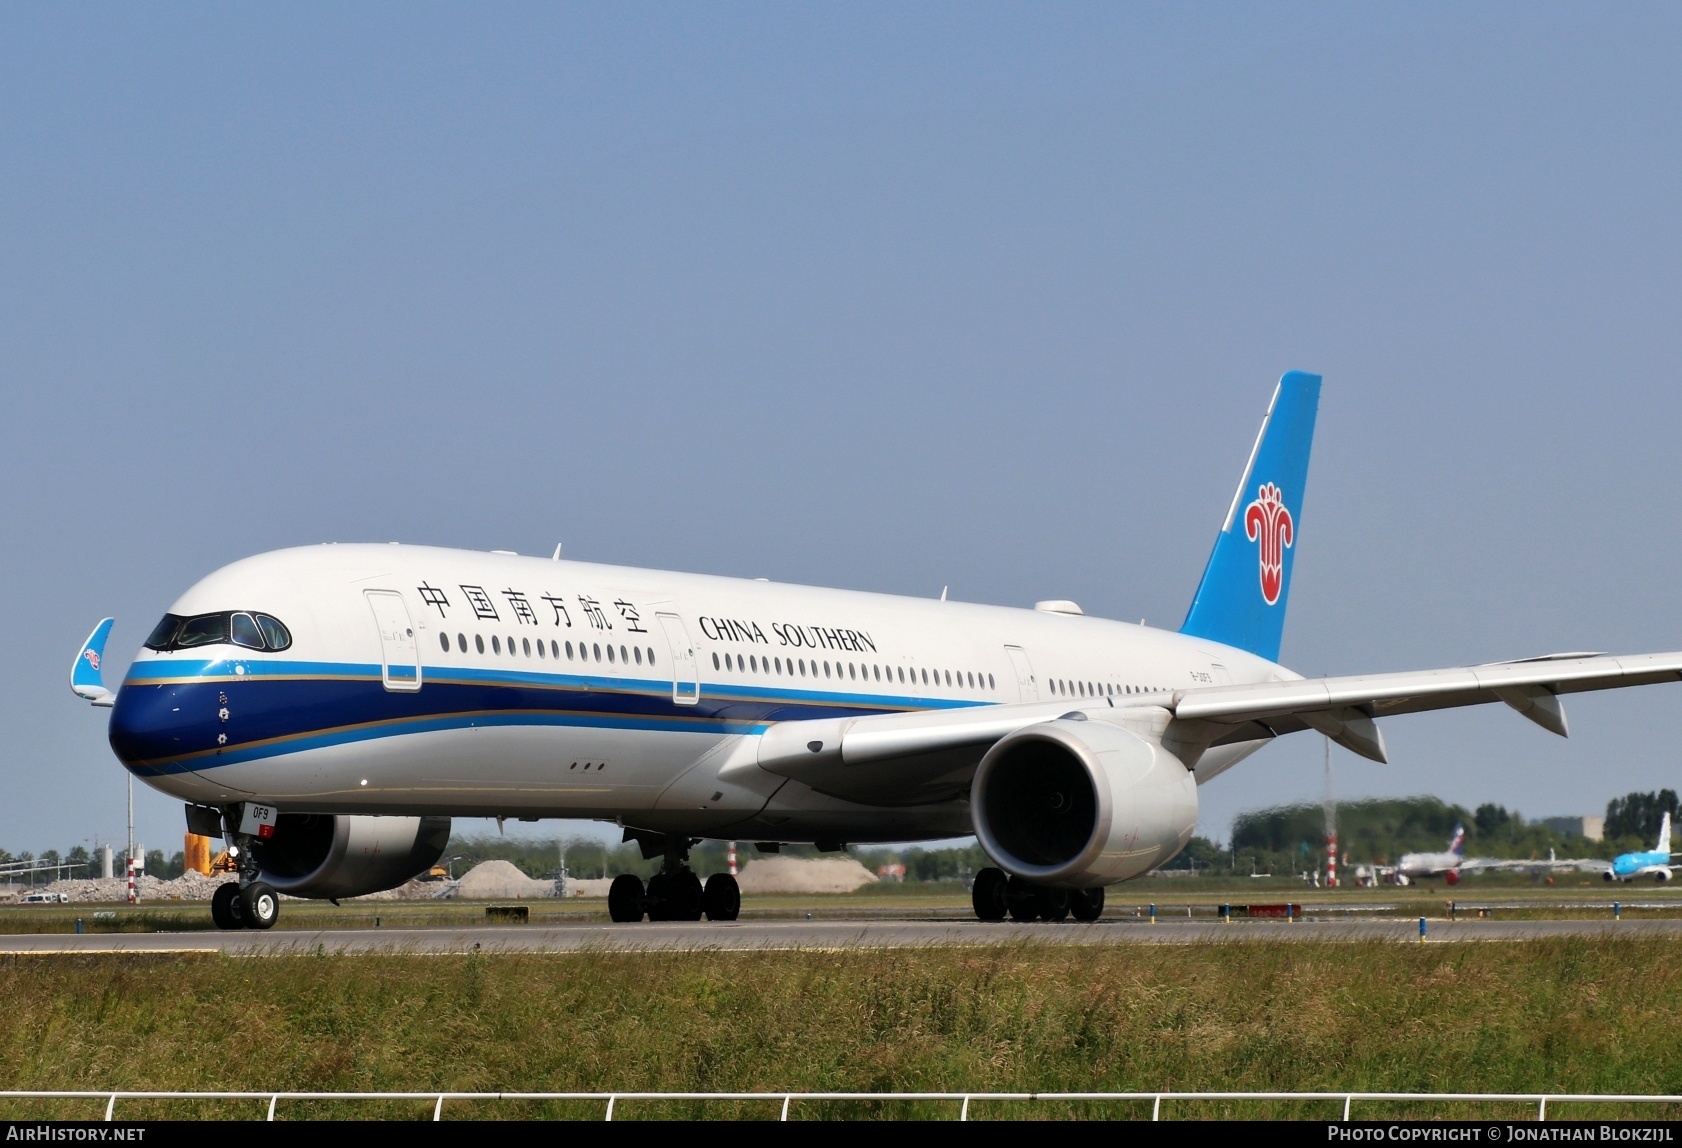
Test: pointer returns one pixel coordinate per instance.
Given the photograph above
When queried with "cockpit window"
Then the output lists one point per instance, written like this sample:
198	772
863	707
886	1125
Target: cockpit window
205	630
163	633
242	628
274	634
244	631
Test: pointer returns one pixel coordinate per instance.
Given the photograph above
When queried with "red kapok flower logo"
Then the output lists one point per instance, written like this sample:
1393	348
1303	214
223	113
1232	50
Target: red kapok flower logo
1267	521
93	657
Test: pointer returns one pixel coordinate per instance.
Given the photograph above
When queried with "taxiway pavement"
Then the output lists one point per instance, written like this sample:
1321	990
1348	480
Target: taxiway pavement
825	935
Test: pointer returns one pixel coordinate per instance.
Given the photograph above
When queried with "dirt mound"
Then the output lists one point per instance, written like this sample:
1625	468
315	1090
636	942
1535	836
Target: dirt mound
500	879
190	887
803	875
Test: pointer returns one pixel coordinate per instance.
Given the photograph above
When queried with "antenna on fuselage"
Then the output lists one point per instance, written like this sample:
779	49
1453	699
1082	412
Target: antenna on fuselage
556	557
943	590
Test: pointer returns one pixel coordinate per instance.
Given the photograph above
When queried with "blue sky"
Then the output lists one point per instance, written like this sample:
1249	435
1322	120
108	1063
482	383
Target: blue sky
888	297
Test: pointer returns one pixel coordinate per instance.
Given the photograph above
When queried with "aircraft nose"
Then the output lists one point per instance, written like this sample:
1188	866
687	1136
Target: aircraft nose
153	725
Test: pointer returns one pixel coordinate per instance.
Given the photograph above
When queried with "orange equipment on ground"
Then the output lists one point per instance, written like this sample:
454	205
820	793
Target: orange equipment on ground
196	855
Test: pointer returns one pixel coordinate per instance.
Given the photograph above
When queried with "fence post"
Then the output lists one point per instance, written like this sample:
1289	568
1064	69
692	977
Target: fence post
1542	1111
786	1099
1156	1109
111	1106
438	1109
1346	1099
272	1100
963	1113
610	1101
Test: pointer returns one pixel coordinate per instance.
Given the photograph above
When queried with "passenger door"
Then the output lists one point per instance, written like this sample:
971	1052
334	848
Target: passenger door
1027	689
686	683
399	652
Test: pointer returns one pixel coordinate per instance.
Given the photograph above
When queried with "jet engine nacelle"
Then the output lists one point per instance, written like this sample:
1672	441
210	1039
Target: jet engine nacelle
1081	803
1661	875
323	855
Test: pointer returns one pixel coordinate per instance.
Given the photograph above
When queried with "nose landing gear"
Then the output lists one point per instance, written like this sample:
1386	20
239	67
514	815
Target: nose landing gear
251	902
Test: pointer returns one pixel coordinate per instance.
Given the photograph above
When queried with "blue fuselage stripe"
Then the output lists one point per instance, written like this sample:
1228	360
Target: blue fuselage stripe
173	715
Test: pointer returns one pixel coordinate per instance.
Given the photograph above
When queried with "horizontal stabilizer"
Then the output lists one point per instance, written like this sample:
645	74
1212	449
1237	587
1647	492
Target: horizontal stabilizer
86	678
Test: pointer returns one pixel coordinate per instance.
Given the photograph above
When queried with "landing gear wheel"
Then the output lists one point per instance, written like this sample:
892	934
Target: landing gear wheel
659	898
721	899
225	908
1053	904
674	896
259	905
1022	899
625	898
1086	904
684	890
987	894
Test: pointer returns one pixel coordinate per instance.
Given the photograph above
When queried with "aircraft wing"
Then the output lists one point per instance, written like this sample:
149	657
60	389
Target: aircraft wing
1343	708
911	758
1550	864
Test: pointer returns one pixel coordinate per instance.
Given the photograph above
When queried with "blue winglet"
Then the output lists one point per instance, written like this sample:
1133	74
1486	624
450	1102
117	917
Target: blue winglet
85	676
1241	600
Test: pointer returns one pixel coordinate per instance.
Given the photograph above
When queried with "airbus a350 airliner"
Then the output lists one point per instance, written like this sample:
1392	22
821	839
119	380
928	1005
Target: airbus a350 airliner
328	709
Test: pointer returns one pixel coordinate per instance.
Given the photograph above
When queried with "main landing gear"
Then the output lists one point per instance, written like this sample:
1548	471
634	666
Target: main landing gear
250	902
996	896
675	893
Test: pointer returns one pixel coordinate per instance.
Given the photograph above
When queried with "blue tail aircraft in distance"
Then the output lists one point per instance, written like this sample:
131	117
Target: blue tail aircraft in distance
1654	863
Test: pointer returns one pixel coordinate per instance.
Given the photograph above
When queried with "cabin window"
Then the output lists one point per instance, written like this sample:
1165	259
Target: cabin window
444	640
595	652
826	669
461	642
610	653
479	642
525	646
716	666
990	684
638	652
496	644
541	652
623	656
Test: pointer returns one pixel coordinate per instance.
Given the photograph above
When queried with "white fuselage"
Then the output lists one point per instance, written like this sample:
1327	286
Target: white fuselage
422	680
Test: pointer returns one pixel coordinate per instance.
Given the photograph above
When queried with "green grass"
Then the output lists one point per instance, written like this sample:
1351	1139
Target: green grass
1553	1015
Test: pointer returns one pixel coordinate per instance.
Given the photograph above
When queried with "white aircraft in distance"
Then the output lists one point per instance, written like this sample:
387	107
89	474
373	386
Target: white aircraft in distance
1654	863
328	709
1447	864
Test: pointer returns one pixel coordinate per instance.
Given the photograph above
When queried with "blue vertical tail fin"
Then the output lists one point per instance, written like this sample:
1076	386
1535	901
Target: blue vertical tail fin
1241	600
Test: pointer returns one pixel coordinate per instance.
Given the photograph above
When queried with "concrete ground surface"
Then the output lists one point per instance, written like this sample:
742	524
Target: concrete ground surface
814	935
